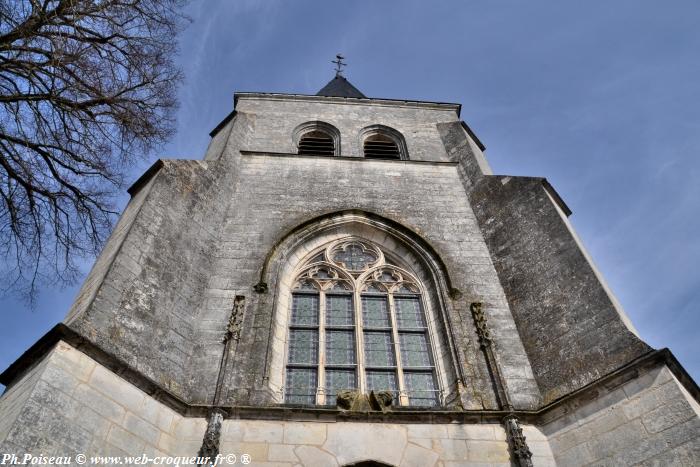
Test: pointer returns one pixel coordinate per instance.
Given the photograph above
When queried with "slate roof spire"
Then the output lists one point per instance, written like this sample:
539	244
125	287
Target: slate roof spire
339	86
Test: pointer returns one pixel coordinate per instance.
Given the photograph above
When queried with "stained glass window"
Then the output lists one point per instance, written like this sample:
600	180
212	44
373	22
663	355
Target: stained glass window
307	285
406	288
375	312
317	259
408	312
300	387
323	274
354	257
396	353
414	350
386	277
420	388
304	310
340	347
339	310
381	380
303	346
379	350
374	288
339	286
341	351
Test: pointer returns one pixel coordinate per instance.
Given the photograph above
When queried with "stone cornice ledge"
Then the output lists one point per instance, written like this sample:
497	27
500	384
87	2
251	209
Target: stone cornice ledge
269	96
551	411
346	158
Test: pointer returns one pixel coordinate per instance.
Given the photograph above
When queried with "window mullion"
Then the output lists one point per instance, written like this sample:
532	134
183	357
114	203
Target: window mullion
403	397
321	379
359	339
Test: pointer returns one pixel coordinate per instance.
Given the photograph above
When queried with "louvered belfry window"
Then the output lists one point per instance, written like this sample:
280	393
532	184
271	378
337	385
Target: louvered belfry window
317	143
381	147
358	322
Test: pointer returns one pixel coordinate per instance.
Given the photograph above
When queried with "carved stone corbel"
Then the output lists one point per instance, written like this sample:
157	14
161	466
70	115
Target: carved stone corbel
482	330
212	437
518	444
355	401
233	329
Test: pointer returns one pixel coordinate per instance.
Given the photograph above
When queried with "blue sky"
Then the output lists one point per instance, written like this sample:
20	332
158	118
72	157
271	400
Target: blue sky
601	98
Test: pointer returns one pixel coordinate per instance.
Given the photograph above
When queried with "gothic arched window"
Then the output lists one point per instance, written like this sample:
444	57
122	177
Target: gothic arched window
382	142
316	143
317	139
358	322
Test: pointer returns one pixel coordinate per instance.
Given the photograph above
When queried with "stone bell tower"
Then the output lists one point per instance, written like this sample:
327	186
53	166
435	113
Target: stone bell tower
341	280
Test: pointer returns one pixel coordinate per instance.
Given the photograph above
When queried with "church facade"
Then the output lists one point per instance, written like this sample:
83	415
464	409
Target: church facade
343	281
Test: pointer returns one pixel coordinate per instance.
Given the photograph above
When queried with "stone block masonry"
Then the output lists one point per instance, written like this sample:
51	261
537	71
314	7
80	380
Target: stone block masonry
70	404
343	443
571	327
648	421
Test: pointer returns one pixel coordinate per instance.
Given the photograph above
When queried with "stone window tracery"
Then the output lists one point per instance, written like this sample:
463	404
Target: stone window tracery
358	322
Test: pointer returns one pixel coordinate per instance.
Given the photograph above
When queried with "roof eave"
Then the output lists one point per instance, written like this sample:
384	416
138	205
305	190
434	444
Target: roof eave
311	97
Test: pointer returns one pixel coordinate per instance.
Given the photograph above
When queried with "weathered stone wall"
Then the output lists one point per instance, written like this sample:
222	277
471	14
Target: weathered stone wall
152	274
70	404
275	194
99	270
648	421
472	164
569	324
14	399
197	234
274	119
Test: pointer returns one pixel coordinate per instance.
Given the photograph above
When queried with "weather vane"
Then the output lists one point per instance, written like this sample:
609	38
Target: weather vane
339	64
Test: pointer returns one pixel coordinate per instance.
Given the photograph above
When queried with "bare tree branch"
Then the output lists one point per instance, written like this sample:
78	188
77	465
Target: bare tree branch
86	88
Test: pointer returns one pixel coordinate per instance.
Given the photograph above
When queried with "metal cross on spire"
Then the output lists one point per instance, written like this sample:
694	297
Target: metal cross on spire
339	64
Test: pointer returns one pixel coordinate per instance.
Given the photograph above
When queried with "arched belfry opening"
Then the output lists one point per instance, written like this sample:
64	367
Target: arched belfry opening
316	143
358	308
380	146
383	142
317	138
